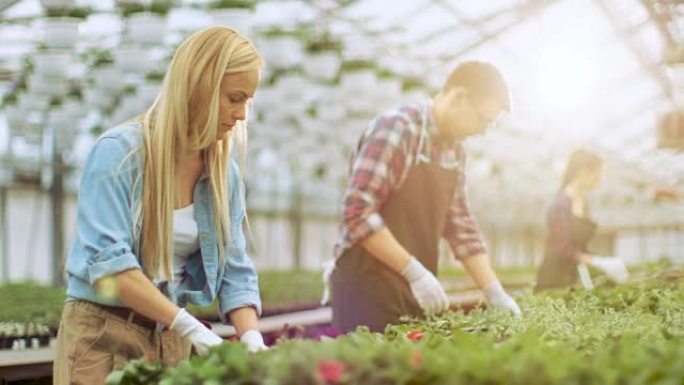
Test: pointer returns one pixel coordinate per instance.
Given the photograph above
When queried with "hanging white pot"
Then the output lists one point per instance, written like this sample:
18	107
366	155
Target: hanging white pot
388	88
47	85
74	108
51	4
61	32
239	19
98	99
108	78
282	51
146	28
132	59
16	118
147	92
52	62
63	127
322	66
31	101
358	82
331	112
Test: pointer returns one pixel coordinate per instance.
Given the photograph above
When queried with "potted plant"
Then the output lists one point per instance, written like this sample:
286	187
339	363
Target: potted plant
51	61
323	61
146	25
60	27
132	59
413	89
388	86
235	14
233	4
105	75
129	7
282	48
358	76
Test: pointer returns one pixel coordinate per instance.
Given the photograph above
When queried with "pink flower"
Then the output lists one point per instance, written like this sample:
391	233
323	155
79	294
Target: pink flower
416	359
330	371
414	335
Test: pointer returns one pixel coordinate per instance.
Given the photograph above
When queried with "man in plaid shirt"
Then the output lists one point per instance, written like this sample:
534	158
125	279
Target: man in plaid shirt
405	192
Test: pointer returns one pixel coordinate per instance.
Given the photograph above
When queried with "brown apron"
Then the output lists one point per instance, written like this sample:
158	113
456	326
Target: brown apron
367	292
557	271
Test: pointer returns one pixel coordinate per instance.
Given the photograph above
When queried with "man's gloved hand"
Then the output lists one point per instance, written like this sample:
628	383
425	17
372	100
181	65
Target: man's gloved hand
201	337
499	299
254	341
613	267
425	287
328	268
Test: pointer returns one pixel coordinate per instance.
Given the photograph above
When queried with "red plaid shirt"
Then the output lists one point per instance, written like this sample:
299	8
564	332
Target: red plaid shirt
385	153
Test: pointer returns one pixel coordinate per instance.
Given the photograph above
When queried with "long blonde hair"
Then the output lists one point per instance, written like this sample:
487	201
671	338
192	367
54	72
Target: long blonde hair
184	117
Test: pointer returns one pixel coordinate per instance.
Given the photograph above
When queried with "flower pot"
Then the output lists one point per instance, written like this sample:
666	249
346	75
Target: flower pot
146	28
282	51
147	92
57	4
130	59
358	82
238	19
32	102
16	118
61	32
98	99
322	66
108	78
47	85
52	62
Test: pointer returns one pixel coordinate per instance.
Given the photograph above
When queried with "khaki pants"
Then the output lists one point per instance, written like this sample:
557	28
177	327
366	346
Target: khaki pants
92	342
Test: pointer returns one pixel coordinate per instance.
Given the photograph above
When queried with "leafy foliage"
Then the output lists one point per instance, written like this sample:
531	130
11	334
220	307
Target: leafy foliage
631	334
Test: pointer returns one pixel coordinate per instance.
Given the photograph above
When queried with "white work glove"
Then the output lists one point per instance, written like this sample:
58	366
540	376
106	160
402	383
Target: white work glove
425	287
499	299
328	268
254	341
613	267
201	337
585	277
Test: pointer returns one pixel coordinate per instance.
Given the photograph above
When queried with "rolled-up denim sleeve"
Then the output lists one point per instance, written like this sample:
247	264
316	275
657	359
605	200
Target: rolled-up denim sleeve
104	225
239	283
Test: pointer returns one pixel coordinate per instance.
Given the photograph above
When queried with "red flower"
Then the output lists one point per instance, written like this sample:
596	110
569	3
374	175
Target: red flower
414	335
416	359
330	371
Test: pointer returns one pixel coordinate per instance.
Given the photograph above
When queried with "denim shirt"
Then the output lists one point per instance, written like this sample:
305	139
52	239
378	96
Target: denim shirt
106	239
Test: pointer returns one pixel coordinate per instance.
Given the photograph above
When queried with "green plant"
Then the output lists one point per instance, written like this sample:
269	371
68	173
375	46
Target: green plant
323	43
30	302
75	12
240	4
384	73
75	92
98	57
10	99
632	334
412	83
357	65
162	7
129	7
280	32
155	76
96	130
55	102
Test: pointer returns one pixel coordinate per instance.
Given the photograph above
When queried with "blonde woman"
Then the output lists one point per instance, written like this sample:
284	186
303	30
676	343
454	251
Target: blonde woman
159	223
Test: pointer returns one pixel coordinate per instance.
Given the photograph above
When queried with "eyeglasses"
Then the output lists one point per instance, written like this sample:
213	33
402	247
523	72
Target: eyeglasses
487	123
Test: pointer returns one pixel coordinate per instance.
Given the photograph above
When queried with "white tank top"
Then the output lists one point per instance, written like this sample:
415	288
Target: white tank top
185	238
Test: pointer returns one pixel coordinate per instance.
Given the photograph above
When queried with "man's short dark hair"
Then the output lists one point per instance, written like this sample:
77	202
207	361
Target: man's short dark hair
481	80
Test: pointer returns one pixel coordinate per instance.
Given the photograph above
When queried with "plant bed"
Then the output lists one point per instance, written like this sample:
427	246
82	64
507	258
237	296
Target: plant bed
19	336
631	334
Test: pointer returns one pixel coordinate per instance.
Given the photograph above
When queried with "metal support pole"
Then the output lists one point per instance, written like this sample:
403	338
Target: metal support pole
57	203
